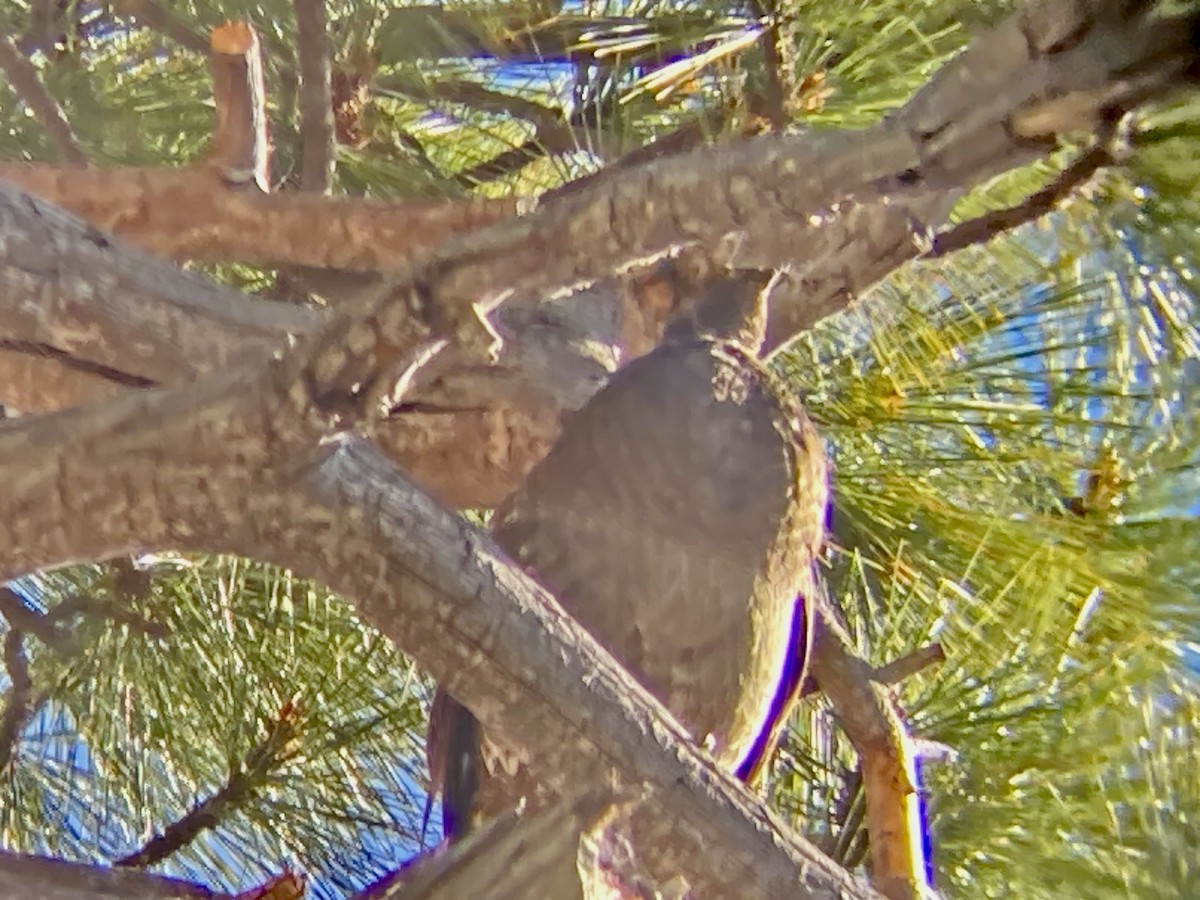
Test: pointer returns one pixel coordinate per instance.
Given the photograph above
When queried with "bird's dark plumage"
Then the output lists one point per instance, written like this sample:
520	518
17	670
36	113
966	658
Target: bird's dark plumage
677	518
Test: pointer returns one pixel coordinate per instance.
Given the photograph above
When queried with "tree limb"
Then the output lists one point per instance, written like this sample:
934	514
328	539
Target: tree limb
910	664
22	877
318	144
152	14
241	783
192	214
240	146
983	228
513	857
887	762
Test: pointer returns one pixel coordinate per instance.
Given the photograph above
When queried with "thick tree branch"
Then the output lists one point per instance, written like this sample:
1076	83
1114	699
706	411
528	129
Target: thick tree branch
22	877
192	214
469	435
65	285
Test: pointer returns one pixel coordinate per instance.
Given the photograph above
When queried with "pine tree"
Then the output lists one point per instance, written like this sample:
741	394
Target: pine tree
1012	427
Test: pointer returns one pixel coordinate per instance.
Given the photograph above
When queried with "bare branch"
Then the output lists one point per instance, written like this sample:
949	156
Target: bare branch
982	229
27	85
910	664
316	107
41	384
874	726
240	149
18	701
189	214
476	96
21	618
124	379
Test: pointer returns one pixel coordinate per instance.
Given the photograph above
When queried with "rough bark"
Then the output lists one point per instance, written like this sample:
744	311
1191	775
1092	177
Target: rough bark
194	214
240	149
22	877
514	857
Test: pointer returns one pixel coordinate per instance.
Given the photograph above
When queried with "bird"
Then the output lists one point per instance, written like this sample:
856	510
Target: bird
678	517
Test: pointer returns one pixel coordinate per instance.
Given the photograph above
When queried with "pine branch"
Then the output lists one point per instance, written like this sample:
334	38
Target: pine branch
894	672
1069	182
25	82
152	14
239	788
18	705
910	664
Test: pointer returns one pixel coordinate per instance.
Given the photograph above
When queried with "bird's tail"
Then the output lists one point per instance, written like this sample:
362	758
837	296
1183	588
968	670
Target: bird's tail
461	762
789	690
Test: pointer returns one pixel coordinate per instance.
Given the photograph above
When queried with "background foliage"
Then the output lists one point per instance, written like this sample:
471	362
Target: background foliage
1014	432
